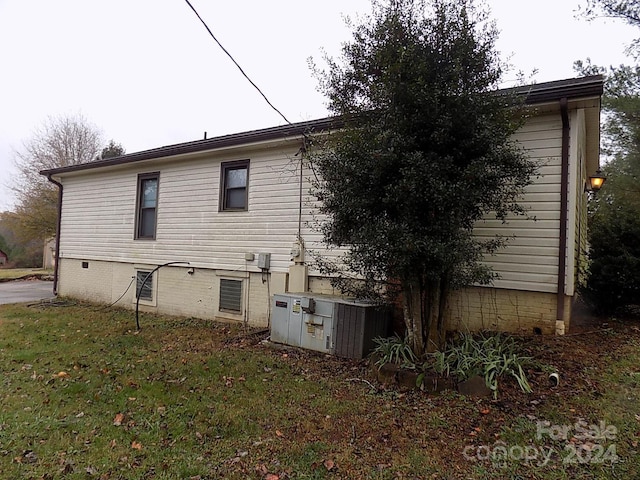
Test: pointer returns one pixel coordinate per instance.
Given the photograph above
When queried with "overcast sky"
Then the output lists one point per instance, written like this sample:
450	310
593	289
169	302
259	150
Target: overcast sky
147	74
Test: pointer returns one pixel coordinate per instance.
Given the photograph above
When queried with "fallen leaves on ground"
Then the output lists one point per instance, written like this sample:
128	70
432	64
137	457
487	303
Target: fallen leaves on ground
118	419
329	465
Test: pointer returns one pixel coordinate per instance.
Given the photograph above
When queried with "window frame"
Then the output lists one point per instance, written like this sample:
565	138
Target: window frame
224	168
143	177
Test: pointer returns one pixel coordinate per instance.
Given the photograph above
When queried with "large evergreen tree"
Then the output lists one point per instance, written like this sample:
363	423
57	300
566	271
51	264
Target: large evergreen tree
614	221
425	152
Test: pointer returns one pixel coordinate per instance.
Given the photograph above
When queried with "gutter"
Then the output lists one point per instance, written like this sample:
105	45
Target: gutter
564	215
236	139
583	87
546	92
59	223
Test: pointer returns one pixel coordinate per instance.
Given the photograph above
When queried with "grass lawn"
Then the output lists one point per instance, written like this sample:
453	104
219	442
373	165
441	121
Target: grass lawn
85	396
15	273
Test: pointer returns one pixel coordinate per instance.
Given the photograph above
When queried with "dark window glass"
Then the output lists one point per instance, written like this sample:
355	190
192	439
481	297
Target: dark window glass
147	206
235	176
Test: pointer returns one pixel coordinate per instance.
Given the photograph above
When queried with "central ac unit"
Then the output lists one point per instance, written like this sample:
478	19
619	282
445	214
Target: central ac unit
327	324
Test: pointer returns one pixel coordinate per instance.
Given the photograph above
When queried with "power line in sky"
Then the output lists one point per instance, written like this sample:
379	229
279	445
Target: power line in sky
236	63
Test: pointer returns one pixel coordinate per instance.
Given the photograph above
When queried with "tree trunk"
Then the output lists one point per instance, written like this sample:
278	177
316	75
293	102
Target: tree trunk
412	308
424	306
431	313
442	307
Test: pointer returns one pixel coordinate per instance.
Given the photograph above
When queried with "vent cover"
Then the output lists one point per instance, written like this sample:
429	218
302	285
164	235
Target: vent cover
147	291
231	295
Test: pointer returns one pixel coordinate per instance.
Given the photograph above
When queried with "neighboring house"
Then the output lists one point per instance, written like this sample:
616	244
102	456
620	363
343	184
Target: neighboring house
49	253
4	258
221	204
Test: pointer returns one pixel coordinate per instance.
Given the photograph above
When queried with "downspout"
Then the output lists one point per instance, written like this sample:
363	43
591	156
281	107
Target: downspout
564	216
58	225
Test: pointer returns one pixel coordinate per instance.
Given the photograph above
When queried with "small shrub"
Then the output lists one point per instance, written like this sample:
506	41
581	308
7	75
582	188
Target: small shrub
491	357
394	350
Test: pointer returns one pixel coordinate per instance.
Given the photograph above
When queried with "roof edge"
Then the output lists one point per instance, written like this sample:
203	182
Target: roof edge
536	93
572	88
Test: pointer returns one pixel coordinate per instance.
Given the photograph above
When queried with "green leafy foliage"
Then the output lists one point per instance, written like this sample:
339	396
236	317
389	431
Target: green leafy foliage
614	276
112	150
394	350
4	246
425	152
614	222
22	254
490	356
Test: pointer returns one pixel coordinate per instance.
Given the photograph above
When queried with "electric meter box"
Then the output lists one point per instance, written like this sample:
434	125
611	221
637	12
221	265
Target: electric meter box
264	261
301	321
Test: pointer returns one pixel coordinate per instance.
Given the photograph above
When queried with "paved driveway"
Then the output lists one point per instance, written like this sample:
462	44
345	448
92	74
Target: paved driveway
20	291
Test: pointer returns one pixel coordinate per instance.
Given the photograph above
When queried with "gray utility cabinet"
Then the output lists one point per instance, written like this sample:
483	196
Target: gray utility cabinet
327	324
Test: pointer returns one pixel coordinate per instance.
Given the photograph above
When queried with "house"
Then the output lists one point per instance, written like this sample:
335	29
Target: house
49	253
4	258
221	225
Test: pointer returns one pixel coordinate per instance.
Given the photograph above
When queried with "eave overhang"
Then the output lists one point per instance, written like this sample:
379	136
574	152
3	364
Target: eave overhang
575	89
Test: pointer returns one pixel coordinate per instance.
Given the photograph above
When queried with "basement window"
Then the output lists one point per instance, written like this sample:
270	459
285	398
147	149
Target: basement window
231	295
146	292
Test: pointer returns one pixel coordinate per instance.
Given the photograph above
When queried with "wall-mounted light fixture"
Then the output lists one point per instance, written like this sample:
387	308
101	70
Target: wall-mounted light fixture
595	182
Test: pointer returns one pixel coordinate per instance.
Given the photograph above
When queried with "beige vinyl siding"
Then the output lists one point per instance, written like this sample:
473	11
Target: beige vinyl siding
578	208
530	259
311	219
99	213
